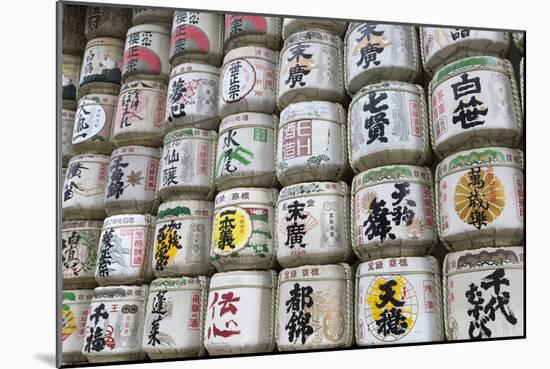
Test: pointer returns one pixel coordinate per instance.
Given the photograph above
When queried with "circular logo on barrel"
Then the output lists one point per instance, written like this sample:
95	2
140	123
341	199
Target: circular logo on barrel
238	79
141	59
479	197
232	230
390	308
89	121
188	37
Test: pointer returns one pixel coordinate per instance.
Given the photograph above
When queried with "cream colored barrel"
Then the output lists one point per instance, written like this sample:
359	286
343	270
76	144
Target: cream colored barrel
379	52
79	243
182	240
75	308
399	301
475	103
310	68
174	319
315	308
245	30
67	124
125	250
187	165
312	224
243	233
293	25
132	180
146	53
442	46
101	66
481	199
114	328
192	97
388	124
392	212
246	151
241	312
196	37
483	293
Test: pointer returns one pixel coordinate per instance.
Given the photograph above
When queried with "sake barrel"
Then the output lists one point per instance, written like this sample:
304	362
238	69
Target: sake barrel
293	25
311	143
132	180
159	16
398	301
522	84
244	30
519	41
481	199
73	40
312	224
75	307
388	124
240	313
187	165
196	36
474	103
243	233
315	308
125	250
140	114
114	328
67	123
392	212
84	187
146	53
247	81
442	46
246	151
100	72
174	318
69	80
183	235
107	21
79	242
378	52
94	124
483	293
192	98
310	68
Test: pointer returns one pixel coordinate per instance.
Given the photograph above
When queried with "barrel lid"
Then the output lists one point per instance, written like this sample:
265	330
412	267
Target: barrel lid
144	84
194	67
134	220
399	265
122	292
469	64
314	35
179	283
68	59
98	99
247	119
492	156
149	28
314	189
387	86
251	52
255	278
483	259
153	152
81	224
391	173
190	133
315	272
183	208
246	195
76	297
90	157
321	110
105	41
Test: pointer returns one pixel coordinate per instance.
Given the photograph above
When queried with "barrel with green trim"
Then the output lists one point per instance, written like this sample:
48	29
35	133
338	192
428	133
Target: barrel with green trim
75	309
182	240
480	198
392	212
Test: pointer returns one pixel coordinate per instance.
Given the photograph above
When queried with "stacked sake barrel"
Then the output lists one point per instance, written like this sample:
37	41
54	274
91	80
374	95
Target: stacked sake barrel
476	126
